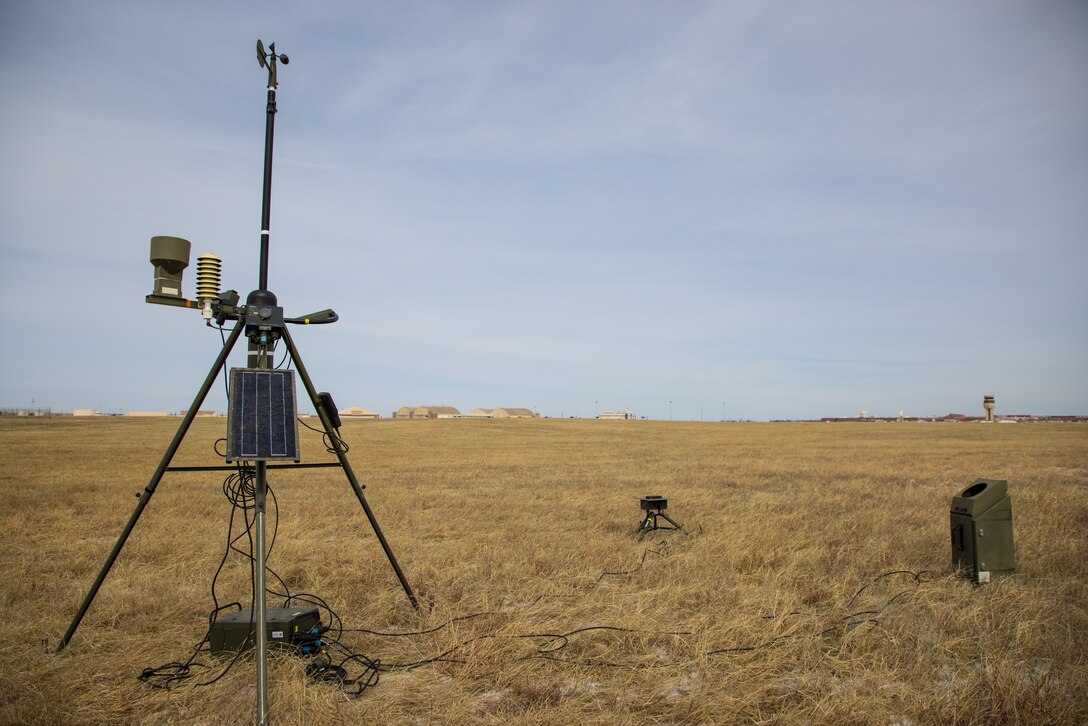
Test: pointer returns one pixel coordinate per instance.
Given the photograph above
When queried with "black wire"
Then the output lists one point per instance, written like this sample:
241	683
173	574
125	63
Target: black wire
286	353
247	533
240	491
636	568
225	671
558	641
312	599
420	632
223	337
368	679
168	674
917	580
329	441
555	642
850	620
337	674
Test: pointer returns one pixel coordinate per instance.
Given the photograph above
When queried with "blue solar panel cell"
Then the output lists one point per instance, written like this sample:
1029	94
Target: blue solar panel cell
262	420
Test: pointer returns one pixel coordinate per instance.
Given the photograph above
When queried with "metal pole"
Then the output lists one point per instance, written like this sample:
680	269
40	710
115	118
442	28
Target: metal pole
266	205
145	496
264	360
260	616
261	489
346	465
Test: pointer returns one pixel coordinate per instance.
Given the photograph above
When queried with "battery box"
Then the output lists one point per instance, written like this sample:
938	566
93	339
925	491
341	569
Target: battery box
284	626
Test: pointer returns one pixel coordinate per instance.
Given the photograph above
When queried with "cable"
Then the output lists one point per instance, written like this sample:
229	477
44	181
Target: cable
420	632
636	568
555	641
223	337
330	441
848	621
314	600
558	641
286	353
916	575
240	491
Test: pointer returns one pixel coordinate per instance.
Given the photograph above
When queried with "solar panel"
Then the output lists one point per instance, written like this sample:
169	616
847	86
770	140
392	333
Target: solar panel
261	415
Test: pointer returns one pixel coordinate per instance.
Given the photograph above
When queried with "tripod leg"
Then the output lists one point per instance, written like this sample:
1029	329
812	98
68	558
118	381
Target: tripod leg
672	521
346	465
145	496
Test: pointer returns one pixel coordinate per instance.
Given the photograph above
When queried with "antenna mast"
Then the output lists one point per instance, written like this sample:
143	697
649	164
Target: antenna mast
268	60
259	348
262	321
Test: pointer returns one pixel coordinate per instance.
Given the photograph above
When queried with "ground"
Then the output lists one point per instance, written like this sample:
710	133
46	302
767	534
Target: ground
811	583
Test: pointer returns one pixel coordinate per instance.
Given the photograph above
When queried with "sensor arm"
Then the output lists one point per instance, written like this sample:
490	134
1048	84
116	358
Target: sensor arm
227	307
178	302
321	317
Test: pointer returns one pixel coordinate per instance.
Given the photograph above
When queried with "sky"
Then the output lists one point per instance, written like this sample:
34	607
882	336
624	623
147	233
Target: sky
697	210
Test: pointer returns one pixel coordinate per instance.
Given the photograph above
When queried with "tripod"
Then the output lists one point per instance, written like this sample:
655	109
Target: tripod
261	490
654	506
164	467
263	323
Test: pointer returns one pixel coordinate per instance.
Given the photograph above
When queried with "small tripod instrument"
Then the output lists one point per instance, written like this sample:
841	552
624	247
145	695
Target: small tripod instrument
655	505
262	416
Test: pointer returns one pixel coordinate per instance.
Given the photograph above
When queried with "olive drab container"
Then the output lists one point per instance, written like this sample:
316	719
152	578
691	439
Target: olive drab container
981	520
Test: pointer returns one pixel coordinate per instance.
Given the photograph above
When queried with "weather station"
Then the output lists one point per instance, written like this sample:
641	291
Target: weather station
262	417
654	505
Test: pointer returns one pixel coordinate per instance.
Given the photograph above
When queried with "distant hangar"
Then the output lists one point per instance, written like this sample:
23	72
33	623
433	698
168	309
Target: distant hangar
436	412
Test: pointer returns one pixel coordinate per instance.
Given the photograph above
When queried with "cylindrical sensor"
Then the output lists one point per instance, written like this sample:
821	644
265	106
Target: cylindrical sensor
170	256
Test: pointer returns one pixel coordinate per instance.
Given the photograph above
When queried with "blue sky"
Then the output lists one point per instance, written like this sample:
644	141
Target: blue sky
767	210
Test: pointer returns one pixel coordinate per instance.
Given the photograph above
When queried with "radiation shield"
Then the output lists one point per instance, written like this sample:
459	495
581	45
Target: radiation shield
170	256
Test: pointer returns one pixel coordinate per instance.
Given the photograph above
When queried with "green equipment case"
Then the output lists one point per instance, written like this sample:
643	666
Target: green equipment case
981	520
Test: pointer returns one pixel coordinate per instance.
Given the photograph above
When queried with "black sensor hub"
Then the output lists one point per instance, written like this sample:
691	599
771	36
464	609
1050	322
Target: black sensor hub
654	502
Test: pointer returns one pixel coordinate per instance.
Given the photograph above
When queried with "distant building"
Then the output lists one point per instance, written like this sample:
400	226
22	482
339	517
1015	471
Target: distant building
356	412
404	412
435	412
84	412
512	413
480	413
618	416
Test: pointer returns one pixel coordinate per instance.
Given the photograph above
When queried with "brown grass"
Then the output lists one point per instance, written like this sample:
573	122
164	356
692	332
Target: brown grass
811	583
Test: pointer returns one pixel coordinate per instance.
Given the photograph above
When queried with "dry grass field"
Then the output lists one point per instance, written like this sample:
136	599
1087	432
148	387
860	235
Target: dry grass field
811	583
